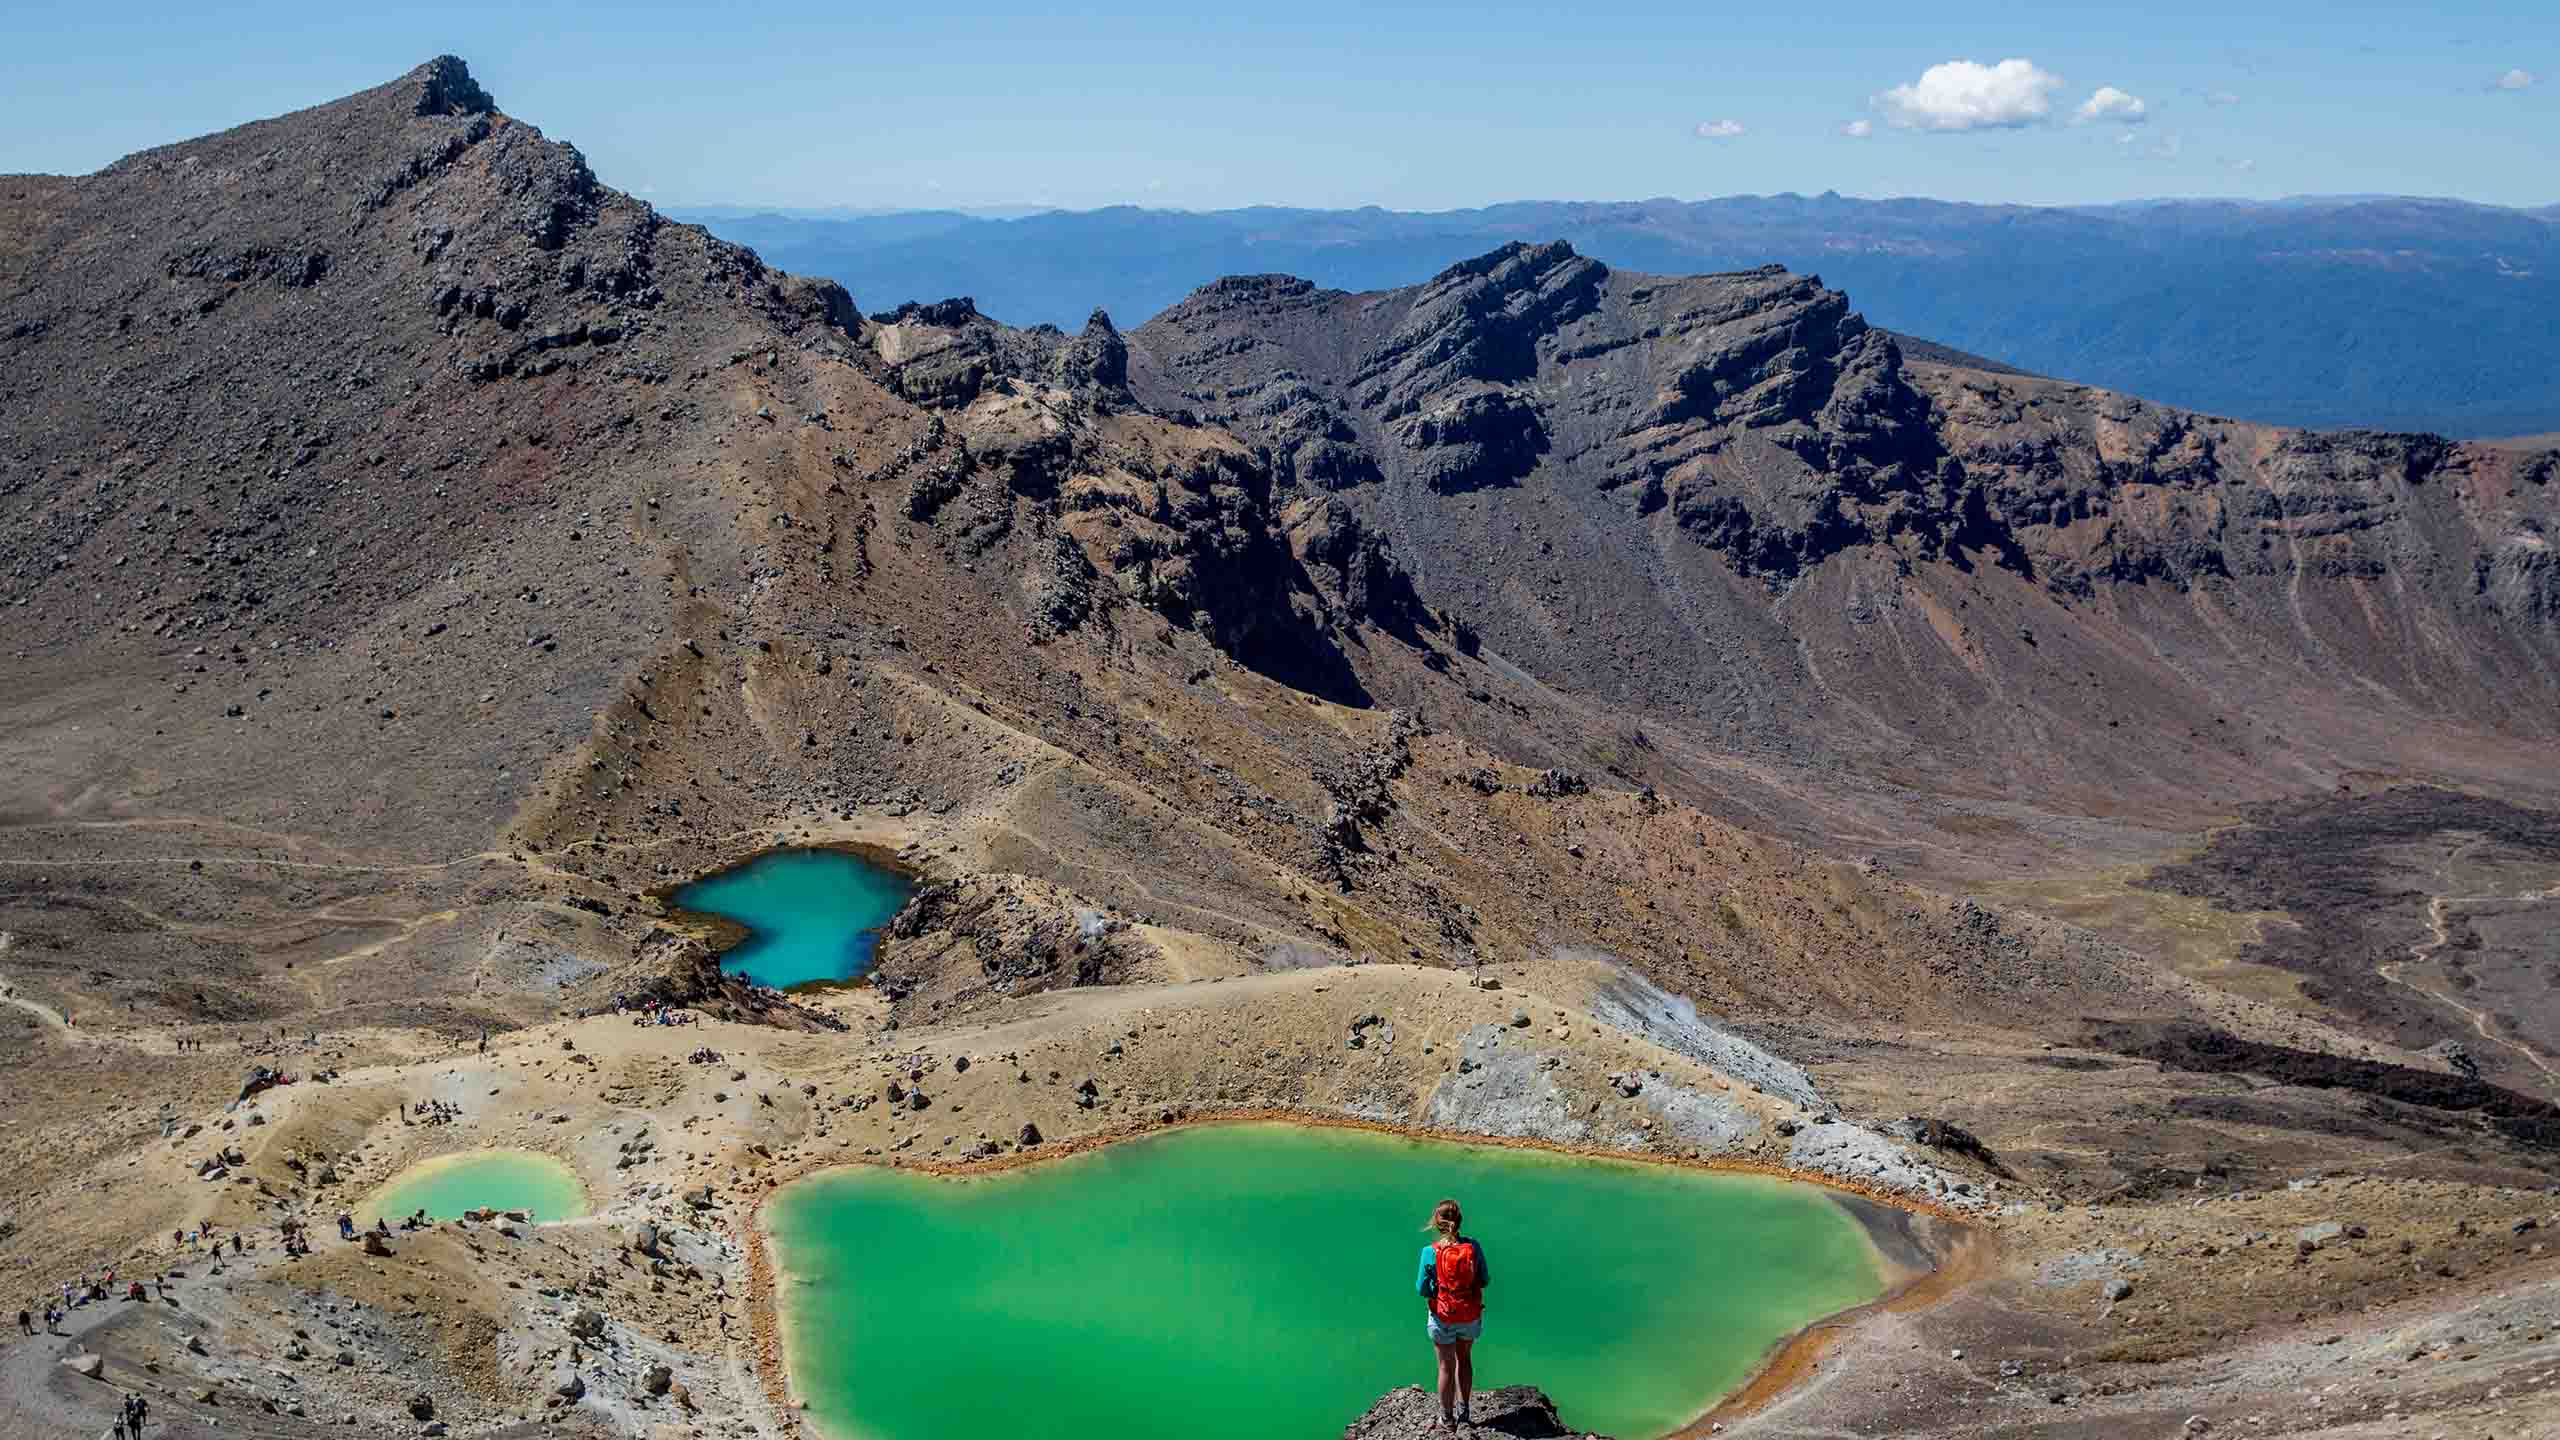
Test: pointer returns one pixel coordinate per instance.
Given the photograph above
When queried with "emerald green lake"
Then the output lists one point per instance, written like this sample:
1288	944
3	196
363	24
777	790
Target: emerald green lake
480	1179
812	915
1257	1281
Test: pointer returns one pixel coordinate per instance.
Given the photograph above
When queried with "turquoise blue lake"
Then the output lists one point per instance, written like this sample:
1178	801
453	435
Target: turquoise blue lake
812	916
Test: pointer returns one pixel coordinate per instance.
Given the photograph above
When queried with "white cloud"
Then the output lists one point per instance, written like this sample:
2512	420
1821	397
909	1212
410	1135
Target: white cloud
2221	97
1720	129
2109	103
2516	80
1965	95
2126	138
1858	129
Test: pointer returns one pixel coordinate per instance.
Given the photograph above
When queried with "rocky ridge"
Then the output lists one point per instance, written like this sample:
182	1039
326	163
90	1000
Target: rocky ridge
1682	491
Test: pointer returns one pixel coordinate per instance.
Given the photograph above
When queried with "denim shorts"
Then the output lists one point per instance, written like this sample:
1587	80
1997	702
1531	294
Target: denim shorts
1445	1333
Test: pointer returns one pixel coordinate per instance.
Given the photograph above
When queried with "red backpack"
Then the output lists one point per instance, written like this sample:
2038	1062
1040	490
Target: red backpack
1457	1292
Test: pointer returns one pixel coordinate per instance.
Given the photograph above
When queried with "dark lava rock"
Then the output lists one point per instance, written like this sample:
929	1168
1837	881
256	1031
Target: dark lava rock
2181	1045
1946	1135
1553	784
1412	1413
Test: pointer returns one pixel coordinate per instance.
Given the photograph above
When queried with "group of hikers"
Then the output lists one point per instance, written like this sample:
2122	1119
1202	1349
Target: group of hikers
704	1056
98	1287
654	1013
201	1236
129	1418
269	1042
87	1290
429	1112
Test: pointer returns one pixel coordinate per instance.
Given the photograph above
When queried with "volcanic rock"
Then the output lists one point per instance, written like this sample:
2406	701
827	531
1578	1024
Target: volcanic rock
1413	1413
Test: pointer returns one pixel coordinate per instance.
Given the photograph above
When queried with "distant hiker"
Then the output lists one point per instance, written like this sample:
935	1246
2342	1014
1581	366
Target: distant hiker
1452	1285
141	1412
26	1321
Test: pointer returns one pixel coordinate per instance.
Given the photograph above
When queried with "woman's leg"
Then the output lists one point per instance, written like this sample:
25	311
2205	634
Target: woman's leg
1448	1379
1466	1354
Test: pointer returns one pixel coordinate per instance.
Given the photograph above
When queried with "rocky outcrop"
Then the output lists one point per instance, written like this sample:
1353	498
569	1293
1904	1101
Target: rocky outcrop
1481	321
1475	438
985	938
1353	567
1413	1413
1096	360
2520	579
944	355
445	87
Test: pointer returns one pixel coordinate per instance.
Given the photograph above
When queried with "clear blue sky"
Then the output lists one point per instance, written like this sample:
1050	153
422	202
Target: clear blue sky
1328	103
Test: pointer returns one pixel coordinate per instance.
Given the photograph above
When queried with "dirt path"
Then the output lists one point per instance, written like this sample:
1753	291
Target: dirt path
2440	935
46	1015
39	1397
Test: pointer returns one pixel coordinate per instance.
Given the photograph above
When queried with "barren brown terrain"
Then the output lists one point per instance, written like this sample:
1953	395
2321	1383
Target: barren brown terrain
2128	833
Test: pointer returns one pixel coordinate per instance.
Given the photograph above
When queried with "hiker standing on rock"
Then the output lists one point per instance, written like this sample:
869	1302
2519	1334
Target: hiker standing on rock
1452	1284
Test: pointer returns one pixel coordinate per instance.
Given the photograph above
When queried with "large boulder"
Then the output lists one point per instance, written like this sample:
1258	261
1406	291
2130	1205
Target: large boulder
1413	1413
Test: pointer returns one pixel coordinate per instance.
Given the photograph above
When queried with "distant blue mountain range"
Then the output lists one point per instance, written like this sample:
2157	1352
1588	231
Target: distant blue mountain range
2391	312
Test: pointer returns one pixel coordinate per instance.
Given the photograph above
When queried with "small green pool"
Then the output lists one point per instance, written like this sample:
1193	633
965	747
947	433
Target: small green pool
448	1186
812	916
1256	1282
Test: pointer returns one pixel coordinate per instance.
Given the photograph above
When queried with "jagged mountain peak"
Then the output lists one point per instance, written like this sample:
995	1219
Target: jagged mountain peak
1605	473
445	87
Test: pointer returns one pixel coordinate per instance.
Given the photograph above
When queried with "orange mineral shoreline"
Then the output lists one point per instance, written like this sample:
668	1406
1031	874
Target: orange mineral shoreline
1794	1360
1964	1259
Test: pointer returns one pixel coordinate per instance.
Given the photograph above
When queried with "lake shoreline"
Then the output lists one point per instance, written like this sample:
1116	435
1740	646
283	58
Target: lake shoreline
1957	1257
